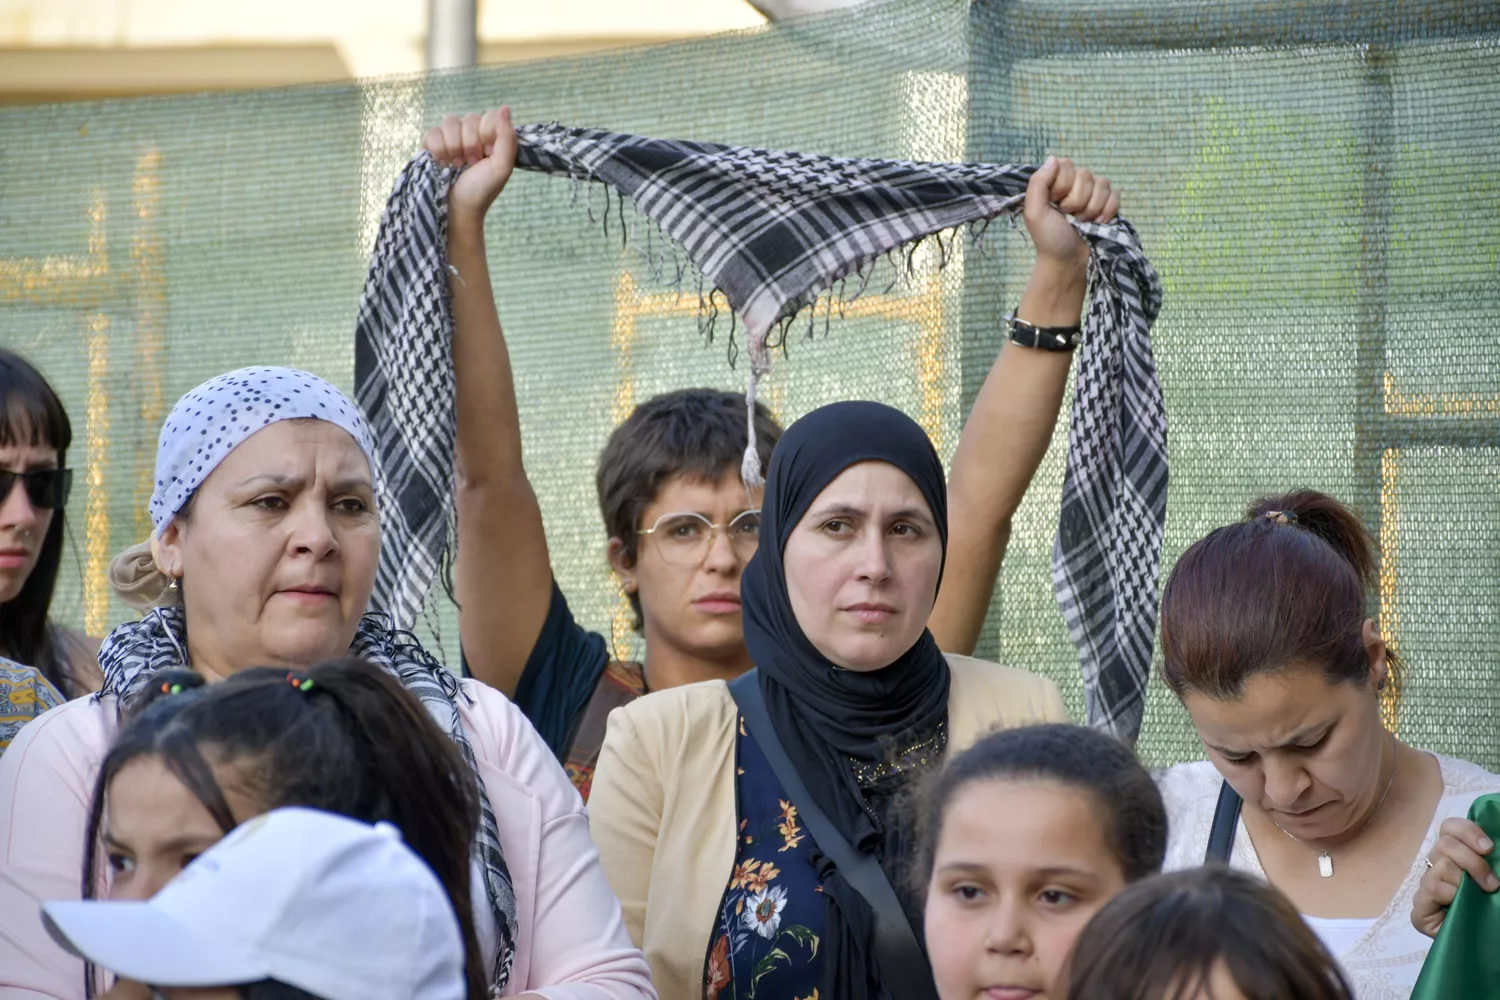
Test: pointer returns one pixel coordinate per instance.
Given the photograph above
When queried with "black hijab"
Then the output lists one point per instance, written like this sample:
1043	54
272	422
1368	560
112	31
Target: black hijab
824	715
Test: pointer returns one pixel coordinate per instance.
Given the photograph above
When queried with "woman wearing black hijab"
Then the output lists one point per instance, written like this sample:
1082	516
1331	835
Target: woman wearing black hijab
722	882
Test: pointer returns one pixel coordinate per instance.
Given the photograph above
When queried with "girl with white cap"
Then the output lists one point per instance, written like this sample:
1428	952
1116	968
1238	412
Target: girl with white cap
267	534
293	903
194	761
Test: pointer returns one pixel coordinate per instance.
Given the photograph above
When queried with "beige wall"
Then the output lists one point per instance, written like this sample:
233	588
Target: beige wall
81	49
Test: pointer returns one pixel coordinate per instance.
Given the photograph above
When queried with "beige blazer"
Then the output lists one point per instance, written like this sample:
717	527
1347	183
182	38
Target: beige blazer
665	790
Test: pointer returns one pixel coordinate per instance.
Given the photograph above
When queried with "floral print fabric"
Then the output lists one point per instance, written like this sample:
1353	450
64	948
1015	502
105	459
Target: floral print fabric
24	695
771	917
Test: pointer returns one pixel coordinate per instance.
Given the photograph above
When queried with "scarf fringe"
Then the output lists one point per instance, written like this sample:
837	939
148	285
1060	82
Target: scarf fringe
1107	552
760	347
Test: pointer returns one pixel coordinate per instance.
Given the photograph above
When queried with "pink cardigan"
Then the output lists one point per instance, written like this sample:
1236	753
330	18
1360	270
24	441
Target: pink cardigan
572	942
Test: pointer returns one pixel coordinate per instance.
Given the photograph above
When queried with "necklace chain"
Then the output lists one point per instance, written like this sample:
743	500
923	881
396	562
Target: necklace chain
1325	860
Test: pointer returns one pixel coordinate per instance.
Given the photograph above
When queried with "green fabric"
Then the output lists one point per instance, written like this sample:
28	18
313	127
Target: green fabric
1465	958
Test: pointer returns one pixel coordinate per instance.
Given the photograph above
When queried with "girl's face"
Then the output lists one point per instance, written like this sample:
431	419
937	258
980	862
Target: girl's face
154	826
1019	868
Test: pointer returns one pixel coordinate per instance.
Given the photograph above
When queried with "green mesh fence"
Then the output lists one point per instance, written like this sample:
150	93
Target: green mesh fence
1317	184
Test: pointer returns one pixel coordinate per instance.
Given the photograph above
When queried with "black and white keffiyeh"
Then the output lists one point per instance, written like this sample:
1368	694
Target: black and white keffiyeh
133	652
403	381
771	230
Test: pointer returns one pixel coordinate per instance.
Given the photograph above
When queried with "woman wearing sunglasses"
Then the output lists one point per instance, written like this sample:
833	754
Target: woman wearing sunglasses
34	484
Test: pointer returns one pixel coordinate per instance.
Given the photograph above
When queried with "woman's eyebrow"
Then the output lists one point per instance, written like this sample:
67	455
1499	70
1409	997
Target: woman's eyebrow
838	510
855	513
272	479
1300	736
349	484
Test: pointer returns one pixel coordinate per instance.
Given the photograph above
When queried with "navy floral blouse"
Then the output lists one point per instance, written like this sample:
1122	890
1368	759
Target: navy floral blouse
771	917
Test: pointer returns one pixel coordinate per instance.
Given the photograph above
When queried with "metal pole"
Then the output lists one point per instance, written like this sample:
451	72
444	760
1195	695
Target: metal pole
780	10
451	32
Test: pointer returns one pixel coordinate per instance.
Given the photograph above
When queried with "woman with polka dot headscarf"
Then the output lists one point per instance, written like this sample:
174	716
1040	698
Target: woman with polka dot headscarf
264	546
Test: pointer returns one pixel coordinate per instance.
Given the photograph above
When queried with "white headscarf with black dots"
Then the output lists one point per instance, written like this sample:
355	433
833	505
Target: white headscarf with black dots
215	418
206	425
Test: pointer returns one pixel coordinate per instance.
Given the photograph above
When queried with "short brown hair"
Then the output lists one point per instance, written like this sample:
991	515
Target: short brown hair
698	433
1161	938
1286	585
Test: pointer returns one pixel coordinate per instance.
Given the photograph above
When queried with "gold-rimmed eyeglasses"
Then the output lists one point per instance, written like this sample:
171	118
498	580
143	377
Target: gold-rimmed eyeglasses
685	538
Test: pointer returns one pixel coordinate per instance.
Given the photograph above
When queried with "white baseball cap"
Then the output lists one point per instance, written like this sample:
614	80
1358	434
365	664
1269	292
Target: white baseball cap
321	902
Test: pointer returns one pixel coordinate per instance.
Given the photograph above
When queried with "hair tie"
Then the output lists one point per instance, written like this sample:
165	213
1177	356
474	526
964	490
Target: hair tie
167	687
303	684
1281	516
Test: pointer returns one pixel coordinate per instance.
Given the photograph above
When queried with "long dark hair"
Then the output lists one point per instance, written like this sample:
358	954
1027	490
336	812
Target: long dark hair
1288	584
32	414
344	737
1161	939
1125	799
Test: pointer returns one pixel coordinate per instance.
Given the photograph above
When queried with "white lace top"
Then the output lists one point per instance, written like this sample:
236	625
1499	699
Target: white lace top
1383	962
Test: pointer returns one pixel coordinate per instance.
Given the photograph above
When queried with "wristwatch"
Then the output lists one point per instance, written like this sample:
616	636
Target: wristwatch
1044	338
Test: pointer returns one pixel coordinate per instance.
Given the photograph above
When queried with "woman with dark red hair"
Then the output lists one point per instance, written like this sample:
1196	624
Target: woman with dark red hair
1268	641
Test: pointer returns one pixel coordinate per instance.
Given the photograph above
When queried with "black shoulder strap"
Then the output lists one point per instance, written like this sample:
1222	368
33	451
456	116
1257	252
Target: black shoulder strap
904	970
1221	834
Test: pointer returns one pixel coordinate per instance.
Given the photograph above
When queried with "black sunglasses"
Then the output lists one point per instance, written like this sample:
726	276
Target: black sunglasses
47	488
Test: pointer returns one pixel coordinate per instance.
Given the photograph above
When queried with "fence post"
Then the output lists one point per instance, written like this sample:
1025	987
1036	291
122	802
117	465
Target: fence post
452	29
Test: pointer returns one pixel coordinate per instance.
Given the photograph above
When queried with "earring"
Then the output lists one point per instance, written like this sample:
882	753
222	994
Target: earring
172	586
619	623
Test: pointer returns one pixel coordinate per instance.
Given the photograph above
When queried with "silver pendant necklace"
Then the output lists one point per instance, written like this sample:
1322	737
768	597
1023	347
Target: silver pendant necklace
1325	860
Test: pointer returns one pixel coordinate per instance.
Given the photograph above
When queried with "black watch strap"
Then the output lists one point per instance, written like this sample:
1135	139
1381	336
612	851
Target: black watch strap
1044	338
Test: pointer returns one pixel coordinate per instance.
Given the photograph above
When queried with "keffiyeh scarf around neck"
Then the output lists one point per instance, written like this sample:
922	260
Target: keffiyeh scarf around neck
134	651
771	230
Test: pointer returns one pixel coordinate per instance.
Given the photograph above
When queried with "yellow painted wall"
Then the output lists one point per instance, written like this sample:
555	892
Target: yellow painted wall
82	49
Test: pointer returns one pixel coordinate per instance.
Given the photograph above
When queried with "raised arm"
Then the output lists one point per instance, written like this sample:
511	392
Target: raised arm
503	574
1010	427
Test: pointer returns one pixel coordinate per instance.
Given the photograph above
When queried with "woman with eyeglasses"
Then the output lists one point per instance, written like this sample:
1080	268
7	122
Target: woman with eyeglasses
34	484
680	524
755	831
